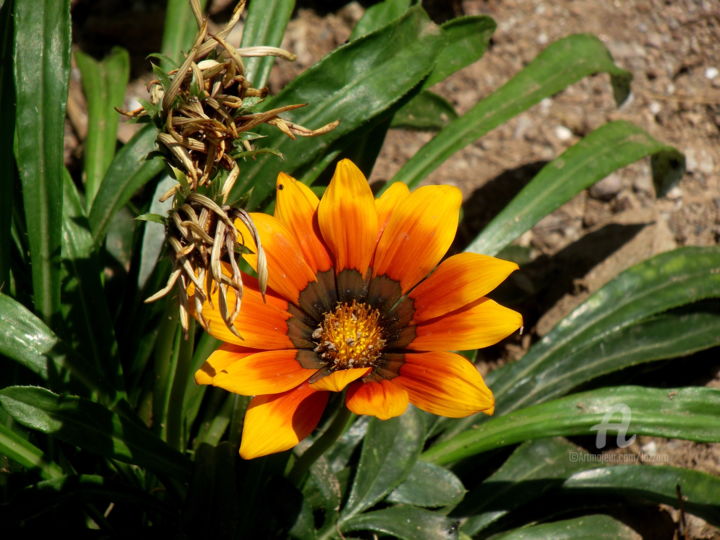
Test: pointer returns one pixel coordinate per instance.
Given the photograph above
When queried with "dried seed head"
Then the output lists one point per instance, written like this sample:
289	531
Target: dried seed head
204	111
204	243
203	107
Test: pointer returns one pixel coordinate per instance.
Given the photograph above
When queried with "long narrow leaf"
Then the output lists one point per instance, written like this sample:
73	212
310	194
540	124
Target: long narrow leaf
684	413
19	449
42	66
597	526
561	64
603	151
378	16
179	30
92	427
354	84
617	327
533	468
25	338
405	522
663	282
104	85
260	29
700	491
7	130
376	475
466	40
129	171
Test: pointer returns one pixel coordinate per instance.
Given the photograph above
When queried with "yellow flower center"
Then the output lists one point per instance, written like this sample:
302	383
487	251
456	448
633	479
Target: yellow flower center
349	337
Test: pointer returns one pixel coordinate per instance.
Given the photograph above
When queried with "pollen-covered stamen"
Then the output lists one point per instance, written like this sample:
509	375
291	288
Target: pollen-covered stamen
349	337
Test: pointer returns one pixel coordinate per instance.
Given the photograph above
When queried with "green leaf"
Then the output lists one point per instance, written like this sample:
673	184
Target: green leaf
389	451
406	522
618	326
104	85
590	341
179	30
19	449
561	64
425	111
597	526
428	485
130	170
354	84
378	16
154	230
323	489
683	413
93	428
466	40
89	322
533	468
7	131
42	67
658	484
25	338
603	151
261	29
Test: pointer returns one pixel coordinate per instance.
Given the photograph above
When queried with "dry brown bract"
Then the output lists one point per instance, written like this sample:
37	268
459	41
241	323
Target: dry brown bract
203	111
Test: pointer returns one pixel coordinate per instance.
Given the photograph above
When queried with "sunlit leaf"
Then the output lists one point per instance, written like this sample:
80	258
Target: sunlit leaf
660	484
104	85
683	413
342	87
376	475
41	82
597	526
406	522
608	148
561	64
261	29
620	325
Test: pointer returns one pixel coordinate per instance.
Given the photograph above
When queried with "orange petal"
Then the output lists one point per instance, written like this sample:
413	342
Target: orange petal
418	234
288	272
445	383
383	399
278	422
262	323
296	207
265	372
348	219
458	280
481	324
217	362
338	380
387	202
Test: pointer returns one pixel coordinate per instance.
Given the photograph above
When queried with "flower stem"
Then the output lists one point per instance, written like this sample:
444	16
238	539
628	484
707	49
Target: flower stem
335	429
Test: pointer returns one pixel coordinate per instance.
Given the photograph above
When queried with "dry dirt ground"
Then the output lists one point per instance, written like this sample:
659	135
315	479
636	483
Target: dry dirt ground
672	48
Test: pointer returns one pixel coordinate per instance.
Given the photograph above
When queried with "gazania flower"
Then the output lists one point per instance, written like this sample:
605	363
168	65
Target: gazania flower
359	301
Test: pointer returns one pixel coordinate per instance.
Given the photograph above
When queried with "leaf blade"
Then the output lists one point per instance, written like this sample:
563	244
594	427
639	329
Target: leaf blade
608	148
42	67
561	64
93	428
685	413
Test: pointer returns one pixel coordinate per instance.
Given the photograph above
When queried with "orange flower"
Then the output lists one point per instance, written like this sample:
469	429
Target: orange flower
357	301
